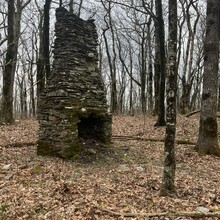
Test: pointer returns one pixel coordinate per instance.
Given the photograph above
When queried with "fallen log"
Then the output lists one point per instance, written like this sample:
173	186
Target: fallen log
197	111
125	138
192	113
19	144
114	137
162	214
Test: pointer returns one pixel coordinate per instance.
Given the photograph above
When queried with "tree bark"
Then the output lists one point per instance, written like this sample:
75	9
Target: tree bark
9	69
208	138
168	187
143	73
161	63
43	63
150	69
40	60
47	37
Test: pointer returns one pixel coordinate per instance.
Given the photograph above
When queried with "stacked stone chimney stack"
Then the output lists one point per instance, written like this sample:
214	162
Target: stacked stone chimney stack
73	107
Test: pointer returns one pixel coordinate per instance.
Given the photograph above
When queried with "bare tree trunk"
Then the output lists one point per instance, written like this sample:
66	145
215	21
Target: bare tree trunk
168	186
9	69
188	72
150	69
160	42
32	95
43	63
143	74
25	100
131	104
80	7
121	93
208	138
40	60
23	97
46	31
111	60
129	71
32	87
71	6
219	97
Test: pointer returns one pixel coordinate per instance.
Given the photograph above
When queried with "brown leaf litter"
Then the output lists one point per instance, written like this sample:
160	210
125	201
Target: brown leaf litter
128	181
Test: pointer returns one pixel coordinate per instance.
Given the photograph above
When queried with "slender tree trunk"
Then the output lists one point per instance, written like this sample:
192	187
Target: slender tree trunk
156	72
23	97
40	61
131	104
43	63
129	71
219	97
32	96
25	101
208	136
111	59
160	38
143	75
32	88
46	31
150	70
21	88
188	73
71	6
168	187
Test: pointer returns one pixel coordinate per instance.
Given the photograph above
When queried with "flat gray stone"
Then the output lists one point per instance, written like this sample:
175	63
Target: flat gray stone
140	169
7	166
202	209
124	168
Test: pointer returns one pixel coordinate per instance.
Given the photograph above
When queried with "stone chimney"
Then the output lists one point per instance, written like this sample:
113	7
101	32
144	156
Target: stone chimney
72	109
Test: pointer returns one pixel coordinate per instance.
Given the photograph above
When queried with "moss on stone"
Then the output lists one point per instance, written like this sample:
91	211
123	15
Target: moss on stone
45	149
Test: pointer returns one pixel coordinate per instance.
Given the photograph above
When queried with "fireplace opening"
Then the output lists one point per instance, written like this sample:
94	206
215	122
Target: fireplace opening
90	128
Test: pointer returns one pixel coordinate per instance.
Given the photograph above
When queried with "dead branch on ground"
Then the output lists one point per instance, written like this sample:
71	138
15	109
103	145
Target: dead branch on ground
125	138
162	214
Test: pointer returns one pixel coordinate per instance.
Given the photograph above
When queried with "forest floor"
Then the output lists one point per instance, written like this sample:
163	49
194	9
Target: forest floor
122	184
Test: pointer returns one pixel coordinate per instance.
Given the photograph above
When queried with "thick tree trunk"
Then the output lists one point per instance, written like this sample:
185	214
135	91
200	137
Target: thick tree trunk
160	42
208	138
168	187
9	69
